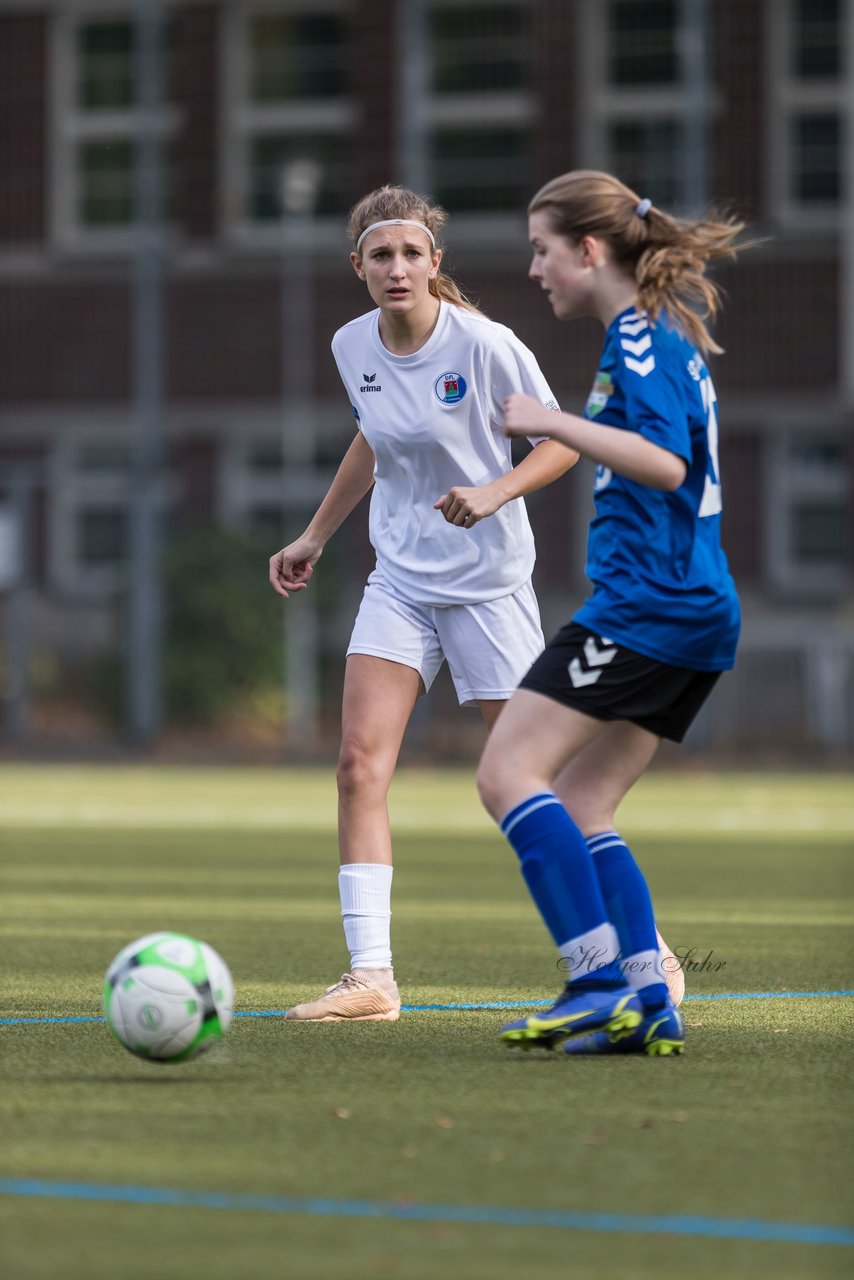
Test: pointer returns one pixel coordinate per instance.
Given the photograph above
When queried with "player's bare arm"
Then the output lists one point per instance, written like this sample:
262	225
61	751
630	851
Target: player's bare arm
625	452
464	505
292	567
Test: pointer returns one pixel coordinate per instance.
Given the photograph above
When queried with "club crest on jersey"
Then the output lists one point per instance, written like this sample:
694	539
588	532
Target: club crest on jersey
603	389
450	388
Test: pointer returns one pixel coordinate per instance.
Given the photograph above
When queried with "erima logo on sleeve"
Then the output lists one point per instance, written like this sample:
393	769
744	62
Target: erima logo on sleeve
370	382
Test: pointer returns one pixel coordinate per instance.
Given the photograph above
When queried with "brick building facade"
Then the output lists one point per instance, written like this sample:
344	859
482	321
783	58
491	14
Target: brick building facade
483	101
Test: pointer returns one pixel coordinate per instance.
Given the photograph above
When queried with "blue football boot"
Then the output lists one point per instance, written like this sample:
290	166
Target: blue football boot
660	1032
583	1007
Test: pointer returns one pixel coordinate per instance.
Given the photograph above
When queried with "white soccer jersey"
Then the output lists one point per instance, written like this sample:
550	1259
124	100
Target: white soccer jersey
434	420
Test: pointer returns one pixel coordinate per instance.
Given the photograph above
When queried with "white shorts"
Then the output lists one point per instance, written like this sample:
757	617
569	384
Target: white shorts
489	646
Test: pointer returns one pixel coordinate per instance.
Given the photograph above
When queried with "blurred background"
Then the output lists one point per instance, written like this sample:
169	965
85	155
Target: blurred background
175	182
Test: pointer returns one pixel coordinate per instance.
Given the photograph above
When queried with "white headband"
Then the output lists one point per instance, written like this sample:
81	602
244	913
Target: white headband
395	222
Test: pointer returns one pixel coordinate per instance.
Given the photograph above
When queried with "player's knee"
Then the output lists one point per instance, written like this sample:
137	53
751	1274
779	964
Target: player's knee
489	786
590	822
590	811
359	770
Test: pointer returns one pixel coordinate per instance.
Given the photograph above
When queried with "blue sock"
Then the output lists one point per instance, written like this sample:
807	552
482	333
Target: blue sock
629	906
559	873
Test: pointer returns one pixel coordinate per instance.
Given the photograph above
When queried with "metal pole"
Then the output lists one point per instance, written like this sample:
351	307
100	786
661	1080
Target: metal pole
16	577
144	693
846	237
826	680
414	169
300	183
694	77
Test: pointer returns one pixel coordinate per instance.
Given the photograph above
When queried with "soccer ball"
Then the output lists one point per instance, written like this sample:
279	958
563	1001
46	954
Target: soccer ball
168	997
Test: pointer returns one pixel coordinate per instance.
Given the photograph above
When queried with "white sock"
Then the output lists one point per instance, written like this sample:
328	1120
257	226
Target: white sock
592	952
365	891
644	969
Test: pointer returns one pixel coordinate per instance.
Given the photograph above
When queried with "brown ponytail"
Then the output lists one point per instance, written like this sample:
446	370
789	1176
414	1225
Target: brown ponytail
400	202
666	255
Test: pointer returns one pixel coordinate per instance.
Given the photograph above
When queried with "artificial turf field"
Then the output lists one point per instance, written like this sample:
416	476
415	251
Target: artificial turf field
421	1148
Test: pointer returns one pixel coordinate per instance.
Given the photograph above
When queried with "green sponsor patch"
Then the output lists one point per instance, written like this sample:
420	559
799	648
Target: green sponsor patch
602	390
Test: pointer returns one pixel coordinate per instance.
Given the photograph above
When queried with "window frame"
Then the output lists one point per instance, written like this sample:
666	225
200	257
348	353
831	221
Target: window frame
73	491
72	124
241	121
450	112
607	104
786	485
789	97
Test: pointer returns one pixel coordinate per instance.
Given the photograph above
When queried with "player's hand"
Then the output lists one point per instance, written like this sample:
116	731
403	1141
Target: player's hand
464	506
525	416
292	567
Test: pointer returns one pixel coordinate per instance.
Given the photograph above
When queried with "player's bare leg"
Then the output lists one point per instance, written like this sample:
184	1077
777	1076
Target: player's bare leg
379	697
490	710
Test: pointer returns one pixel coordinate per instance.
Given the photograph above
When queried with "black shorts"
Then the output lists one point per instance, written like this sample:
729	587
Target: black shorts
595	676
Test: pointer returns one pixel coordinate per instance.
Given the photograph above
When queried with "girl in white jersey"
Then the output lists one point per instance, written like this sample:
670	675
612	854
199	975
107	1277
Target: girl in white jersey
427	375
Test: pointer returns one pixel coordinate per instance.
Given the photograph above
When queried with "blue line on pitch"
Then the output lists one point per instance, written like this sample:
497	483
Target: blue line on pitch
723	995
8	1022
477	1214
494	1004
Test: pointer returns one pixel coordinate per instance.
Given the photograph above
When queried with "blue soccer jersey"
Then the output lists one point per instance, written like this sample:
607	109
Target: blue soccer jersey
661	582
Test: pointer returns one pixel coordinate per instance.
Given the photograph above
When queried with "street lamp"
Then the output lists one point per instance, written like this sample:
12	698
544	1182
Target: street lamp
300	185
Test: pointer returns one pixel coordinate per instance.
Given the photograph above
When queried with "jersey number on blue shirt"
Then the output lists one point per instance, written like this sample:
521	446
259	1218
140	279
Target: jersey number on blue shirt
711	504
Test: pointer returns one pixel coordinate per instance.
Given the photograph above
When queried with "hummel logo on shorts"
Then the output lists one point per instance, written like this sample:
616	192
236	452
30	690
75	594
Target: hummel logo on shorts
595	659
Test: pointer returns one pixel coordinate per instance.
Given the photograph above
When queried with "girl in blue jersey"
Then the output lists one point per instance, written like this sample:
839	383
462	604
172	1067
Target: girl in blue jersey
641	655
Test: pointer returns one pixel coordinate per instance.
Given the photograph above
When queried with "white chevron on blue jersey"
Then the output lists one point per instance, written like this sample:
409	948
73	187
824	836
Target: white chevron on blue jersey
640	367
636	348
633	325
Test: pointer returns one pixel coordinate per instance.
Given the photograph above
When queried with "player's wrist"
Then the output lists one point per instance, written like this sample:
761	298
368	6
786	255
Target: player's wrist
314	540
502	490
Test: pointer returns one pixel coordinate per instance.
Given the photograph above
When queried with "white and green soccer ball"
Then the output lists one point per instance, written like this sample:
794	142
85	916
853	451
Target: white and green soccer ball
168	997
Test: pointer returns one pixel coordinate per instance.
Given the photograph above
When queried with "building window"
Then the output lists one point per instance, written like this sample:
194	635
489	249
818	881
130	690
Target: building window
805	176
289	100
816	151
89	526
816	51
481	106
295	56
101	537
642	46
260	475
635	87
809	519
97	124
645	155
104	65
